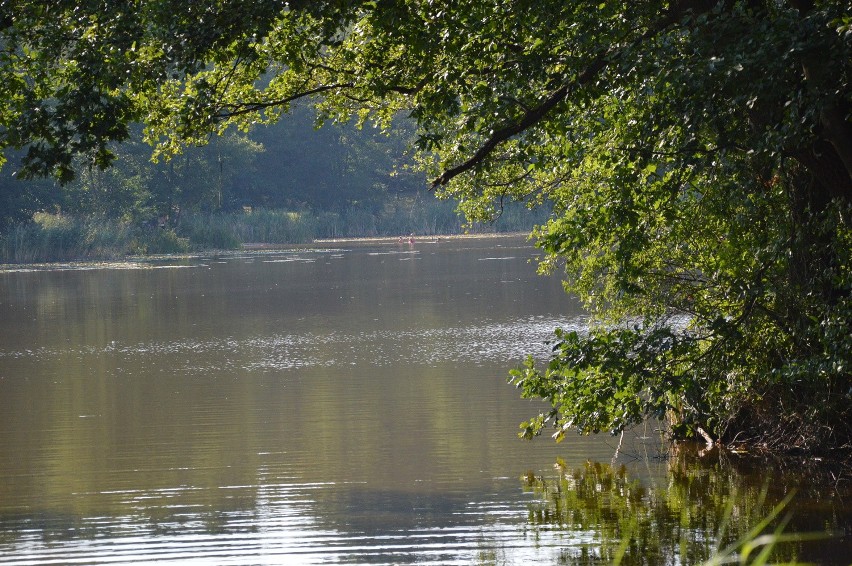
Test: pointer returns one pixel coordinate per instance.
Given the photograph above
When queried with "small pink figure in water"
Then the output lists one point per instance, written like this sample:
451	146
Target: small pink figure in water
411	239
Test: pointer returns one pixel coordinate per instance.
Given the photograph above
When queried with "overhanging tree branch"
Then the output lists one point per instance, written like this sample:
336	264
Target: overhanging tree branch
231	110
529	119
535	114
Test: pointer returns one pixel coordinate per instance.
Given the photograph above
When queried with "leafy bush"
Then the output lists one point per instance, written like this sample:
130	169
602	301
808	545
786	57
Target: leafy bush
160	241
730	346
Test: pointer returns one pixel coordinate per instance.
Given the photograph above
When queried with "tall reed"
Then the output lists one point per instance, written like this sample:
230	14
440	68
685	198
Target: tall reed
59	237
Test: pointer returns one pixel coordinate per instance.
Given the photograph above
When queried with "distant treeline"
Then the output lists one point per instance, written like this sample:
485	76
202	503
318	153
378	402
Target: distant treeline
60	237
289	165
287	183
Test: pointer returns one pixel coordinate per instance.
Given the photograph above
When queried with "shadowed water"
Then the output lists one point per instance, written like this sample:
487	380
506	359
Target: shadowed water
343	405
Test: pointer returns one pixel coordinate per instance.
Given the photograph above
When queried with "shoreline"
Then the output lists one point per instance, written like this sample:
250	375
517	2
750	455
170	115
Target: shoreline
139	261
431	239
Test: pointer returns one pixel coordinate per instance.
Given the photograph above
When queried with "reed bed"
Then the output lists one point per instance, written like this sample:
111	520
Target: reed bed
60	237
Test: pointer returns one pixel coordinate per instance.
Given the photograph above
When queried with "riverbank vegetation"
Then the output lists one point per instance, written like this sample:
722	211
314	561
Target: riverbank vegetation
697	156
59	237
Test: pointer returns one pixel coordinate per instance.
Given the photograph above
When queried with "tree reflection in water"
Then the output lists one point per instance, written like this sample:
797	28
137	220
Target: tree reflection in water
695	514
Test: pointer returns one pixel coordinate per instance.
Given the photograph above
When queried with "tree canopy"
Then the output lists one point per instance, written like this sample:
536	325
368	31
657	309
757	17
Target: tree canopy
698	154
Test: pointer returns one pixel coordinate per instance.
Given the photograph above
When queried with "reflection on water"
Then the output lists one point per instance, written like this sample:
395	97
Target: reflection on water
477	343
703	506
309	406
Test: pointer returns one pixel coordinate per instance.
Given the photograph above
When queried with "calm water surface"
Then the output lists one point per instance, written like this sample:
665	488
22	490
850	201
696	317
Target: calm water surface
343	405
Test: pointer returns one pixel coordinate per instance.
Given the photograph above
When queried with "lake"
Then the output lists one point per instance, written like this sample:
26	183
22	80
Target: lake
344	403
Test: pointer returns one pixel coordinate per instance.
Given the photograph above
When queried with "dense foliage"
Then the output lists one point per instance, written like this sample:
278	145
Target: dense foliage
698	153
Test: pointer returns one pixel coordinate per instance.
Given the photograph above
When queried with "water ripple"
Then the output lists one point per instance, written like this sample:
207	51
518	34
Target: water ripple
291	538
488	342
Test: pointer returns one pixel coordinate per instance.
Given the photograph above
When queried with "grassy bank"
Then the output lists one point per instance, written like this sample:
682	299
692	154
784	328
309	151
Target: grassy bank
57	237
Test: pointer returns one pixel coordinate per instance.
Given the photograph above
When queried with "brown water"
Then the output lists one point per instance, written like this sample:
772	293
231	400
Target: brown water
341	406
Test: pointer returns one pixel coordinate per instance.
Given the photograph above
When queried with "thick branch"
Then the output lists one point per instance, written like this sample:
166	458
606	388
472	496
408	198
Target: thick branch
839	133
529	119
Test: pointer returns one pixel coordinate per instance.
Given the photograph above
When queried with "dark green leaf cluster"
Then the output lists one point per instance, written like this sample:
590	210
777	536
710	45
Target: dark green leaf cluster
74	75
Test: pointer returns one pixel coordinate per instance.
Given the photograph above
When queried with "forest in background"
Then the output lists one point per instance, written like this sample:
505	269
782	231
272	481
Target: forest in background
290	182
